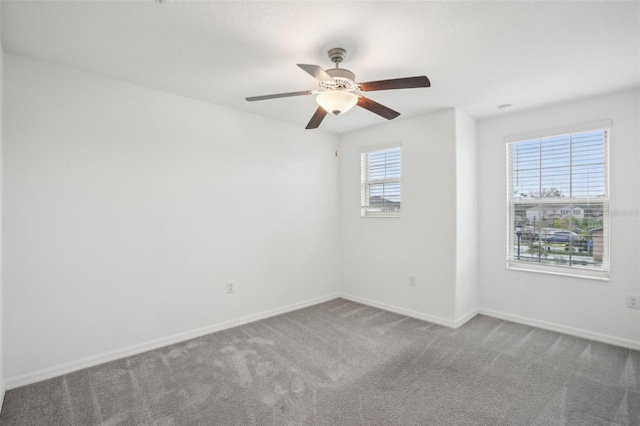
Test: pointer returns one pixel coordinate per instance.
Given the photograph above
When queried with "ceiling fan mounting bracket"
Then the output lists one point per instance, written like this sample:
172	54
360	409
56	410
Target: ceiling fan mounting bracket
337	55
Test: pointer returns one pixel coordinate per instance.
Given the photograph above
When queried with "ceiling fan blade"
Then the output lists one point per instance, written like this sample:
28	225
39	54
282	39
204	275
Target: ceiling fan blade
377	108
317	118
279	95
316	72
396	83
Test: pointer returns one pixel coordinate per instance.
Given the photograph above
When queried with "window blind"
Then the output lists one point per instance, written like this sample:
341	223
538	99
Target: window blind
558	203
380	173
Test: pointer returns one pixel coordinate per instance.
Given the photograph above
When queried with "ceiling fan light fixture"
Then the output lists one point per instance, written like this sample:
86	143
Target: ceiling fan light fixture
336	101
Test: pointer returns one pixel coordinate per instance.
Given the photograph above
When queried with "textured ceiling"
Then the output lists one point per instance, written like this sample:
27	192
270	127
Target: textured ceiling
477	55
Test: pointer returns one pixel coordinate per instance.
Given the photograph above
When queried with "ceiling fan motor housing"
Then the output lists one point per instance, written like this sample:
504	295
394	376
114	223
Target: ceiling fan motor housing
343	79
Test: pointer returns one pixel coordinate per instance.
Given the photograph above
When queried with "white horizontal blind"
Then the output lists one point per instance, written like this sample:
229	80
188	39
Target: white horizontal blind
380	173
558	197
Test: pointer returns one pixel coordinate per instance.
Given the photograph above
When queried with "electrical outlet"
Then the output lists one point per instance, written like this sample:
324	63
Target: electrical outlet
633	301
412	280
231	288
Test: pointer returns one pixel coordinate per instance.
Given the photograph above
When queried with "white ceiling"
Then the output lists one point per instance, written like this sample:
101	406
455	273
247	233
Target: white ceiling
477	55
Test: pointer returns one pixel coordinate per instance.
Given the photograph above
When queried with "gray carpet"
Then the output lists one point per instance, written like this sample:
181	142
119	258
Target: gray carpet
342	363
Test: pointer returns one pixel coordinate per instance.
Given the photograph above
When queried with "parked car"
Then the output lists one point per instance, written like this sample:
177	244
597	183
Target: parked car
561	237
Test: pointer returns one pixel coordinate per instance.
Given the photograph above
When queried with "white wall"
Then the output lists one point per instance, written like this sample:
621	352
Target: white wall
467	290
379	254
127	210
2	385
597	307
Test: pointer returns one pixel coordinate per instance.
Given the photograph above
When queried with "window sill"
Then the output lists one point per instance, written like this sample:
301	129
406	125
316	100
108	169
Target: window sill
550	270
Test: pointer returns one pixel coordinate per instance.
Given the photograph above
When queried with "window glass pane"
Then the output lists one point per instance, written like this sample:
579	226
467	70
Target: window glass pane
384	193
559	234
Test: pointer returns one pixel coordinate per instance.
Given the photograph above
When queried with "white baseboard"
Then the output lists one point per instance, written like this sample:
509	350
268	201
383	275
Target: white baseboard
59	370
591	335
403	311
572	331
466	317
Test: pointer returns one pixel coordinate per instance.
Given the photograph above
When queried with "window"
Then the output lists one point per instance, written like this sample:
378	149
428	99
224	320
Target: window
380	173
558	203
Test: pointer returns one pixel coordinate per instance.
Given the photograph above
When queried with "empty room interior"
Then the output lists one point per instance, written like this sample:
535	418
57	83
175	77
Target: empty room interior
320	213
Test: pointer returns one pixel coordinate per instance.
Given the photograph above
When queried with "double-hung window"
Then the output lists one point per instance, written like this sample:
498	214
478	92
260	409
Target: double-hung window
558	202
380	190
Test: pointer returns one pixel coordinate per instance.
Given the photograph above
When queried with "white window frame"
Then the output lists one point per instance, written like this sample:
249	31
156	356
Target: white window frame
601	273
366	210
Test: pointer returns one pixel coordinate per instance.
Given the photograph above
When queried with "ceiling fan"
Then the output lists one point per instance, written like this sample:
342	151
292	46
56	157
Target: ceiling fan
339	92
